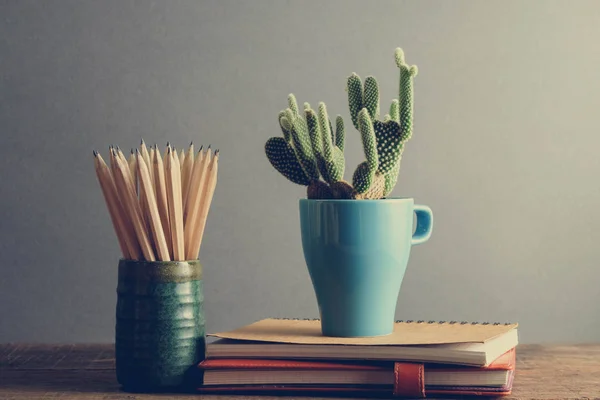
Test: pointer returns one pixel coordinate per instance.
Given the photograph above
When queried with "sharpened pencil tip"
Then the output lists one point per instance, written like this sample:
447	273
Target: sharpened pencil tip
95	153
168	150
191	143
137	152
200	149
131	151
209	147
142	141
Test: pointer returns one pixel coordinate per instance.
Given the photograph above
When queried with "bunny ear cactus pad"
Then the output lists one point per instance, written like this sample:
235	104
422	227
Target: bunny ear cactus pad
283	159
291	155
364	175
406	93
311	153
309	150
401	111
333	158
391	134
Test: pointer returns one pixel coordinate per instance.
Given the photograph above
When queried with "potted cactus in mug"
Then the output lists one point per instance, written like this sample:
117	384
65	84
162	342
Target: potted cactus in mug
355	238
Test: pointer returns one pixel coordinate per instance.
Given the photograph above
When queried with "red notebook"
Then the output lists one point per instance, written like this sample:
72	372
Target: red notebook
386	379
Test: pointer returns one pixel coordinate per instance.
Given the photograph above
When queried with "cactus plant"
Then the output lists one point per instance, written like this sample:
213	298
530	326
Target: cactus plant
311	154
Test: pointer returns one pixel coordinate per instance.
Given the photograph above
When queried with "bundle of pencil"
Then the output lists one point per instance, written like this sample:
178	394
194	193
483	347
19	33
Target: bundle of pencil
158	204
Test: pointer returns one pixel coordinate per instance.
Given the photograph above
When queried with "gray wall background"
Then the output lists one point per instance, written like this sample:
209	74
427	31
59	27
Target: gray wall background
505	151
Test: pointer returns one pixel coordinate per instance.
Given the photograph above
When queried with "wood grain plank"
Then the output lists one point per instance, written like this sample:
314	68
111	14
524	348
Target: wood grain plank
557	372
6	349
56	357
78	371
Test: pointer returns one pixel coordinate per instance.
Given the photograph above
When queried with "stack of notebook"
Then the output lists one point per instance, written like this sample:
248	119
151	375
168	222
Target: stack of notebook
419	359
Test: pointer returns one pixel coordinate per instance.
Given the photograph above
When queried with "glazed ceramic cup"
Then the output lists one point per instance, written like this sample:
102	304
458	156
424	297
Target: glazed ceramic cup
159	335
356	252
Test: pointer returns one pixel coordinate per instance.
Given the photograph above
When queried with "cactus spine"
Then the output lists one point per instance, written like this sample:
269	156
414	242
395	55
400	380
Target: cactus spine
311	153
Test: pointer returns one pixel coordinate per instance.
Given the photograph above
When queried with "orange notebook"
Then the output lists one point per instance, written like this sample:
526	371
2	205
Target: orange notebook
371	378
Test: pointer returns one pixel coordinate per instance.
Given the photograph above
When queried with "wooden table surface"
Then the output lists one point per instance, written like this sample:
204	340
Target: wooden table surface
87	372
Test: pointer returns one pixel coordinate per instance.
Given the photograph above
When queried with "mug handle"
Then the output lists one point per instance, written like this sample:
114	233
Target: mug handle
424	224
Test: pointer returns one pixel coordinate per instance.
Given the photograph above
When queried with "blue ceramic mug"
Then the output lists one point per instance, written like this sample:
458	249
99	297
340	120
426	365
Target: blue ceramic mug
357	252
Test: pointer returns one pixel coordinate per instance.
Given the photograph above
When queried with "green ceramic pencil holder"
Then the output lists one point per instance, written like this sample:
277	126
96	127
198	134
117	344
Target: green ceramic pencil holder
159	332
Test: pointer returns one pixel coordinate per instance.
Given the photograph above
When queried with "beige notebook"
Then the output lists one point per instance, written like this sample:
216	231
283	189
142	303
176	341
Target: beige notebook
467	343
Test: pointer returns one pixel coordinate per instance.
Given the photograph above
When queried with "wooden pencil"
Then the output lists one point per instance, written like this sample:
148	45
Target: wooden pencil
122	157
199	176
112	154
179	201
205	202
161	197
112	160
186	172
129	179
145	155
176	161
173	183
130	187
166	154
149	164
194	185
109	193
153	217
132	169
131	235
132	206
